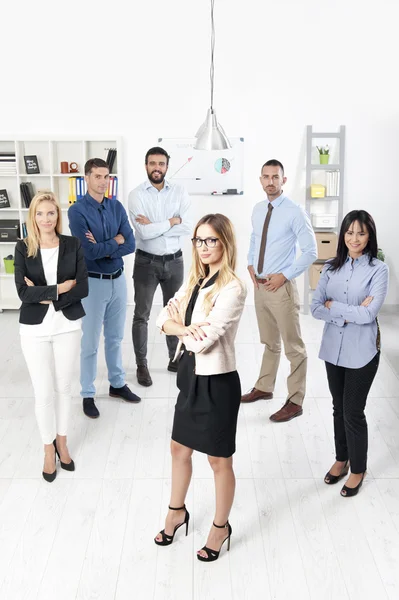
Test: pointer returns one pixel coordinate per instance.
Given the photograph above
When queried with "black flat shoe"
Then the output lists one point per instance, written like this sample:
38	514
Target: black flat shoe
90	409
214	554
67	466
168	539
331	479
347	492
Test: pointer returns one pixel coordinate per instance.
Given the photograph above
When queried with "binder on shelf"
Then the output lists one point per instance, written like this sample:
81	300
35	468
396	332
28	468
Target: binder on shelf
110	160
27	193
112	190
72	190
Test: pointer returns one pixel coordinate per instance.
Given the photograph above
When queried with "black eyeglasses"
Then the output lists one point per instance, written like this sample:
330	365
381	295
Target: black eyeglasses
209	242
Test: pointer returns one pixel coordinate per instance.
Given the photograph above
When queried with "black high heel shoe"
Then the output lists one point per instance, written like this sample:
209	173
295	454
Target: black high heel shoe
348	492
214	554
49	477
67	466
335	478
168	539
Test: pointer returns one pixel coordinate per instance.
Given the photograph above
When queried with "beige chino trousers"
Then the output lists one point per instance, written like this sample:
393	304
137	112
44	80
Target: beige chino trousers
278	318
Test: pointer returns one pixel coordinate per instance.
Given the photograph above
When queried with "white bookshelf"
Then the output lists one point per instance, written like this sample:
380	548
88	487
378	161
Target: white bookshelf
50	152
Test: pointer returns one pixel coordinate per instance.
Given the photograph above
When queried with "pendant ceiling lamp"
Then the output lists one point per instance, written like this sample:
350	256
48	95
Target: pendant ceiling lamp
211	135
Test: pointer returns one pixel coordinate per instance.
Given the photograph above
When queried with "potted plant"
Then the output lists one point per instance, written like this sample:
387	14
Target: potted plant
324	154
381	255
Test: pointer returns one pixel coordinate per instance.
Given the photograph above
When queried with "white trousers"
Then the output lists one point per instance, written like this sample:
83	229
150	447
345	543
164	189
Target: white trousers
50	361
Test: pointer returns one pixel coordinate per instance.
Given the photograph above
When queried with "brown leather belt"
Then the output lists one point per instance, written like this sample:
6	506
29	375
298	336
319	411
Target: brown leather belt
262	280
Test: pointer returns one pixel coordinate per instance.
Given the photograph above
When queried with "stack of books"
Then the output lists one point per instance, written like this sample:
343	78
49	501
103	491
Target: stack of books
332	183
110	160
8	165
27	193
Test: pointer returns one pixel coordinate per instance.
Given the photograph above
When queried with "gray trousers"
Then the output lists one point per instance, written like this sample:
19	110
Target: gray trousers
147	275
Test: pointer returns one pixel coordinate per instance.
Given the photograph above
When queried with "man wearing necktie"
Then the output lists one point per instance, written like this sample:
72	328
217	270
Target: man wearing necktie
278	225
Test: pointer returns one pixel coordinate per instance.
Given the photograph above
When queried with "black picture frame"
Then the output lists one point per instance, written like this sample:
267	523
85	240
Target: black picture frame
31	164
4	199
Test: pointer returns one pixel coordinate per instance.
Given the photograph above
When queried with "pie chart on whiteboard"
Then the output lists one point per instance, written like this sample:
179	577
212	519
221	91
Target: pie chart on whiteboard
222	165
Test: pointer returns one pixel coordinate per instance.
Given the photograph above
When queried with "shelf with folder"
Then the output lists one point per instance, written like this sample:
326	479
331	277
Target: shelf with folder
50	151
330	178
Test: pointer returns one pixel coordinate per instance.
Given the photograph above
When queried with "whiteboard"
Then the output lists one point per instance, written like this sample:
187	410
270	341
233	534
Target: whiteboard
205	171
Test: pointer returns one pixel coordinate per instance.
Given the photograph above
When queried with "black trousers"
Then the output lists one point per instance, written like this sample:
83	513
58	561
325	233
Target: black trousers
147	275
349	389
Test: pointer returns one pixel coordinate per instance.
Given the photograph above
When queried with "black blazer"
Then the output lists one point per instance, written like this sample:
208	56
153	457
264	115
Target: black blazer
71	265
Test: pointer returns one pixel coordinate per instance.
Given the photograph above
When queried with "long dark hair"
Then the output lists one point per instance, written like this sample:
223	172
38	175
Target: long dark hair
365	220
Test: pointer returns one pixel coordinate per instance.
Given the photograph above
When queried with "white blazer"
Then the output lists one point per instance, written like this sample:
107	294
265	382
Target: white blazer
215	354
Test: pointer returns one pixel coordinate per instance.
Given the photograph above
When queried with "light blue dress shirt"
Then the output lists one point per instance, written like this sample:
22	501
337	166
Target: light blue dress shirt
352	344
160	206
288	225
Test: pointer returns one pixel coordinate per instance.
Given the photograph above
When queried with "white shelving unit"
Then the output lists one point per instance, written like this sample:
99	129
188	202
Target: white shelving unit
50	152
316	173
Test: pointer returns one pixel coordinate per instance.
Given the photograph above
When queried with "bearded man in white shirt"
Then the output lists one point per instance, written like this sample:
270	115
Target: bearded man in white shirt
159	212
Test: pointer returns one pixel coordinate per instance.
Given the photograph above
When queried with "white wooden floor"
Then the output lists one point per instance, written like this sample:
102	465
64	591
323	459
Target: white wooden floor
89	535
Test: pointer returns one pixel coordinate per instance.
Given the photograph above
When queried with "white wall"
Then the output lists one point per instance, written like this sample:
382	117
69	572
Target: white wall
142	72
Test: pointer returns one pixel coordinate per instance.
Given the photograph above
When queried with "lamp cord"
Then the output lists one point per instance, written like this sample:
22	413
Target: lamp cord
212	70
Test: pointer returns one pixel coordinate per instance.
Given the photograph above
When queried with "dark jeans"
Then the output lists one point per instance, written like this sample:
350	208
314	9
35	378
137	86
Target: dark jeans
349	389
147	275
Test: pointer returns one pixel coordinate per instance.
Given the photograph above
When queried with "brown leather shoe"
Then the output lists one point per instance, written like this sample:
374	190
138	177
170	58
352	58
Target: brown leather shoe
143	375
255	395
287	412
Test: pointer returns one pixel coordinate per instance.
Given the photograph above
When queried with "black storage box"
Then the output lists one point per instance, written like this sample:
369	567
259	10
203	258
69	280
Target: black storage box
9	230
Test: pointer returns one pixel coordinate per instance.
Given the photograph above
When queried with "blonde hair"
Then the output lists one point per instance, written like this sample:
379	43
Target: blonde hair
225	232
32	240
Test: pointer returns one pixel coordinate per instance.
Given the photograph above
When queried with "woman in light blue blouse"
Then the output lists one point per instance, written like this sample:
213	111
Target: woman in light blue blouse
350	293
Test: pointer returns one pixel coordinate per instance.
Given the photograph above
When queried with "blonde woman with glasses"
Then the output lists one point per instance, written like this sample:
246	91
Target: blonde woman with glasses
51	280
205	314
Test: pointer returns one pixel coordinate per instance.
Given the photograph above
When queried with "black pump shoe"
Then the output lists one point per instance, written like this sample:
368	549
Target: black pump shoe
214	554
49	477
347	492
67	466
331	479
168	539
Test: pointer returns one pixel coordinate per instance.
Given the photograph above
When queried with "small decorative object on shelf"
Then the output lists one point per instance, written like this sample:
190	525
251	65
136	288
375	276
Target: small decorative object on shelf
9	264
324	154
64	167
32	165
4	201
381	255
73	167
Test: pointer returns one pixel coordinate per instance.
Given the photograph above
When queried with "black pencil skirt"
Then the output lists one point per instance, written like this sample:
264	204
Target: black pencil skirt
206	410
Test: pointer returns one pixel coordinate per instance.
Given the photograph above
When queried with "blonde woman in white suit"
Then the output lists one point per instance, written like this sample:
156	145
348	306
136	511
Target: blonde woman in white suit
205	314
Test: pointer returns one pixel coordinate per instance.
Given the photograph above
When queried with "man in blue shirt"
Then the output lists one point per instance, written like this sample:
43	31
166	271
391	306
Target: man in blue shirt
103	228
159	212
278	224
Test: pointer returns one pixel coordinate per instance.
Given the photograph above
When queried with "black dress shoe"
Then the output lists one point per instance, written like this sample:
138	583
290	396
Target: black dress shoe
172	366
125	393
143	375
90	409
